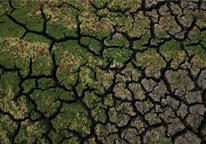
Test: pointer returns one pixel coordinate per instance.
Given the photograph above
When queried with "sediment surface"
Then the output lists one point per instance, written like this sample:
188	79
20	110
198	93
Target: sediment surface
103	71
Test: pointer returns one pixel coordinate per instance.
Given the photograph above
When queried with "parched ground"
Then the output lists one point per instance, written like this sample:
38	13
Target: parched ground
110	71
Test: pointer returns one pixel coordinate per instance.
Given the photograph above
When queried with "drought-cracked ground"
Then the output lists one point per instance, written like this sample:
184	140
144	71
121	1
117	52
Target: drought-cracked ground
106	71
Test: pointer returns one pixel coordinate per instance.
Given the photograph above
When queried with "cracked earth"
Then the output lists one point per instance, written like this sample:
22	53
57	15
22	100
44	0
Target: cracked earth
151	89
